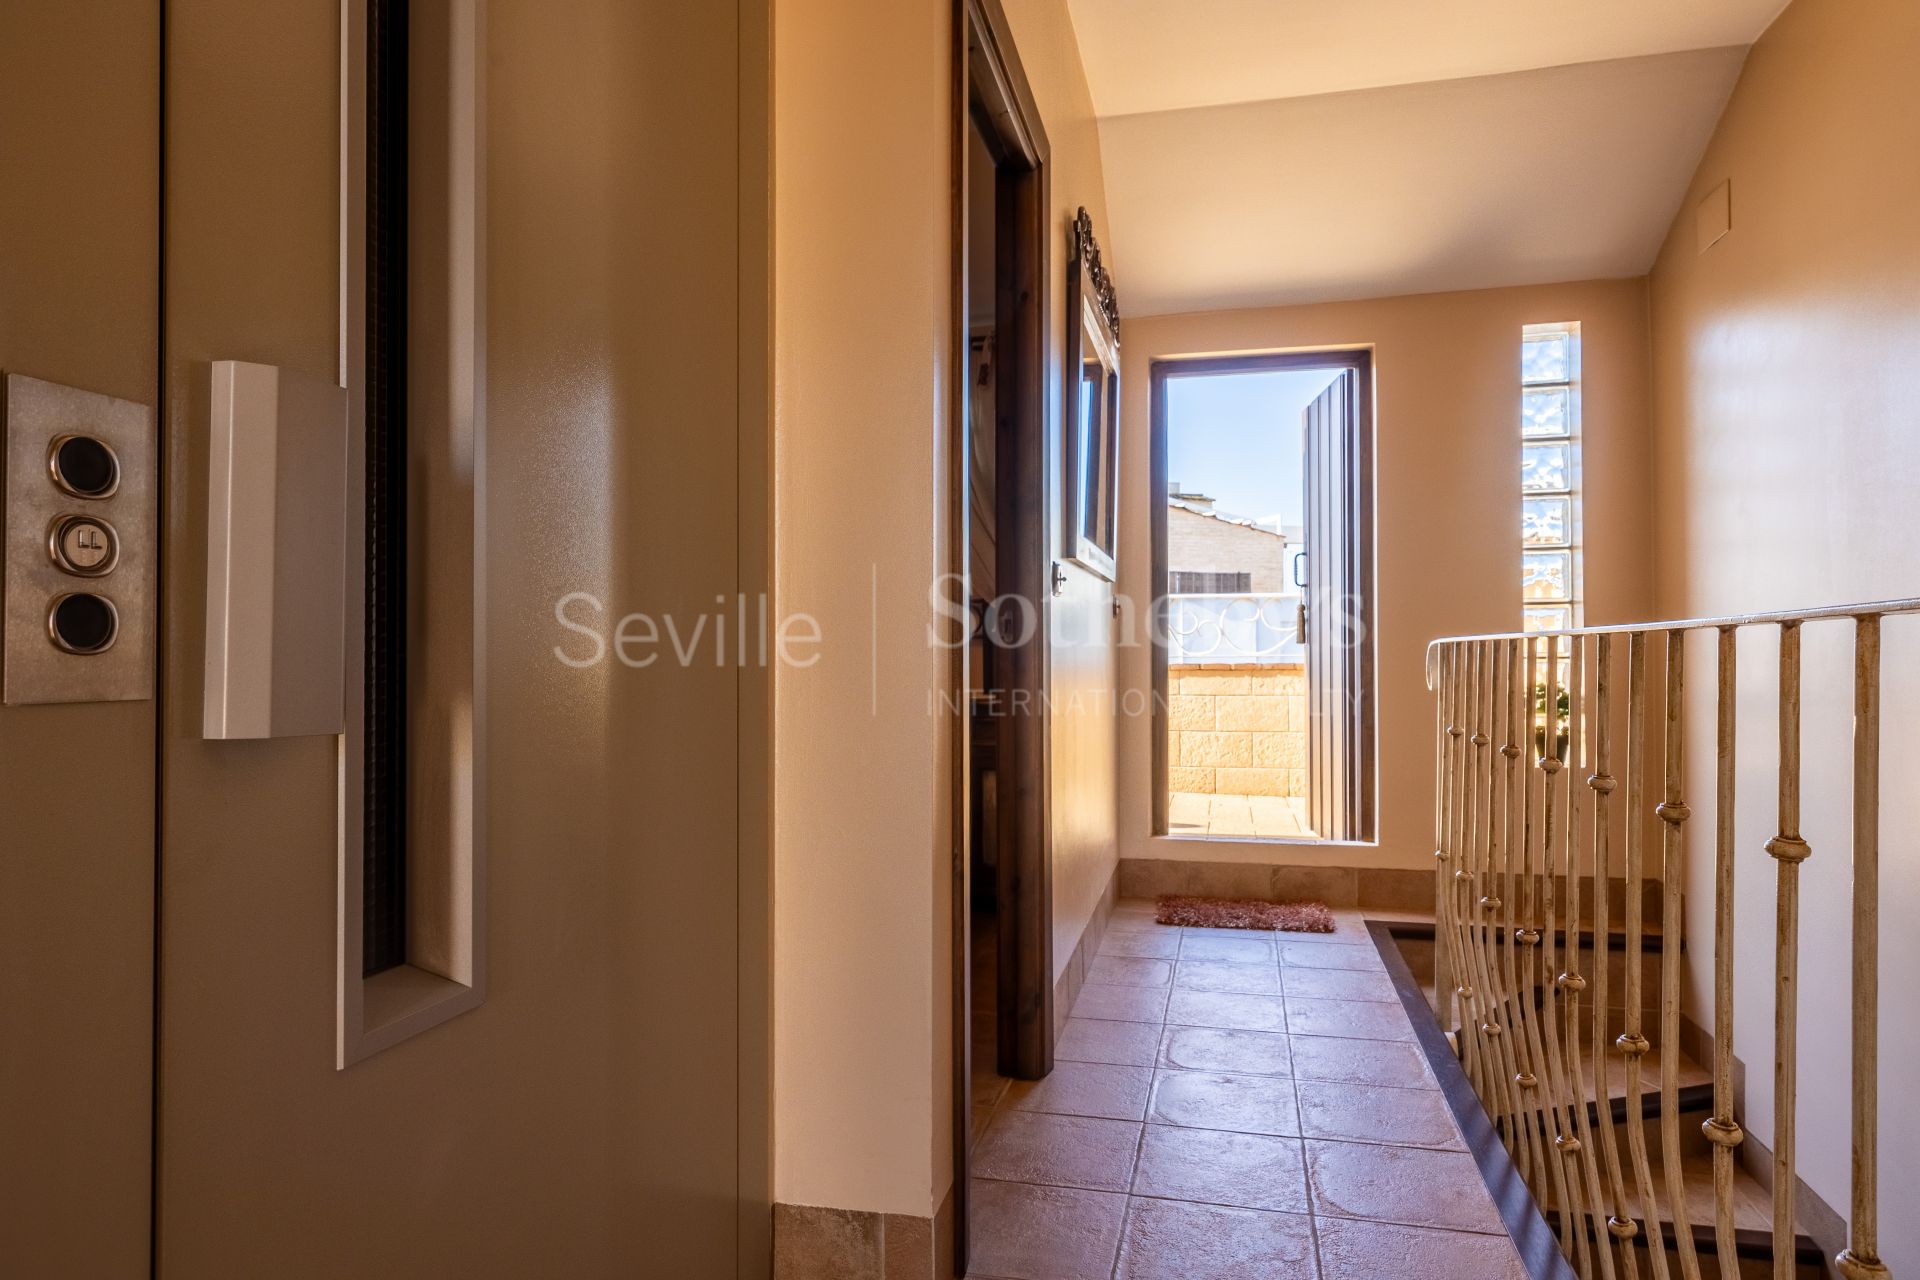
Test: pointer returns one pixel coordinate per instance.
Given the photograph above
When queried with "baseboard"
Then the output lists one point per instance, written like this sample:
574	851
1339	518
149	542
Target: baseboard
814	1243
1395	889
1376	888
1066	988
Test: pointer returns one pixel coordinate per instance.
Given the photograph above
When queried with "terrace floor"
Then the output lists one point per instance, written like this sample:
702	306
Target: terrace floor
1190	813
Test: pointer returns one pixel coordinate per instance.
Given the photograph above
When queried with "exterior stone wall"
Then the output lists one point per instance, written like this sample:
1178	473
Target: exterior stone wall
1237	729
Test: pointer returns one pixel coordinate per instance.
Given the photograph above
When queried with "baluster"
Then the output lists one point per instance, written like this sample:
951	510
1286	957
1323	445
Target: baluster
1496	901
1788	851
1486	966
1572	981
1722	1130
1563	1091
1673	813
1632	1042
1620	1223
1860	1260
1523	978
1440	678
1473	992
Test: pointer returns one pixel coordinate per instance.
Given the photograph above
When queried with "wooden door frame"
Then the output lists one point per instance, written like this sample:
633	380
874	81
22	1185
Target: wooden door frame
990	91
1360	361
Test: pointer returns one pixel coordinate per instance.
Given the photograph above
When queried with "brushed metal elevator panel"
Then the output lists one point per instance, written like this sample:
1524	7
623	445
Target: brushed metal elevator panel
34	668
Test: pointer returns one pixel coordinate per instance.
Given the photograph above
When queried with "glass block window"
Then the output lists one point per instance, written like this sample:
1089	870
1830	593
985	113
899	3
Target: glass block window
1550	476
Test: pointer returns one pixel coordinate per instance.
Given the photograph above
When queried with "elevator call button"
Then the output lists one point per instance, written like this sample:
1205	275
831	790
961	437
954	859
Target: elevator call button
84	545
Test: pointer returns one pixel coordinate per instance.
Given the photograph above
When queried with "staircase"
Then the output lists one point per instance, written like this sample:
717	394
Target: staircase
1752	1203
1558	968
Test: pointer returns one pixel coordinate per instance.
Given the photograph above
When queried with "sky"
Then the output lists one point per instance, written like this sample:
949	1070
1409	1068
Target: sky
1236	438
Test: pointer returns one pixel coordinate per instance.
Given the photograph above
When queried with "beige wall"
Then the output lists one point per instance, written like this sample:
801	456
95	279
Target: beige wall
861	374
862	354
1446	370
1786	371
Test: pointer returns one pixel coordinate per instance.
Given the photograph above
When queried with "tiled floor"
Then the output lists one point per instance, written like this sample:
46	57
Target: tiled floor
1260	817
1229	1105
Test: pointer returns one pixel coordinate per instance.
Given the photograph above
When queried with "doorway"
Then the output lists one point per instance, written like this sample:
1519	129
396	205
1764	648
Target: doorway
997	500
1263	562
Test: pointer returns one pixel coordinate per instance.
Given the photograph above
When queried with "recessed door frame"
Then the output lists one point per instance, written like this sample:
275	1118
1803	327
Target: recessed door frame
1366	716
991	92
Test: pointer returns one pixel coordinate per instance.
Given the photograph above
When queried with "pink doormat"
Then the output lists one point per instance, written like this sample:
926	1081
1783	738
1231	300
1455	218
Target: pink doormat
1245	913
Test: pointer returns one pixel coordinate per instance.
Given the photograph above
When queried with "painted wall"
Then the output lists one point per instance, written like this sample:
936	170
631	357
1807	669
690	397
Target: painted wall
1446	370
863	857
862	353
1786	370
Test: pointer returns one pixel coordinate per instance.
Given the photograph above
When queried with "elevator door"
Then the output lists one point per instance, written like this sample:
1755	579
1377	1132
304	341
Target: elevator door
173	1100
79	306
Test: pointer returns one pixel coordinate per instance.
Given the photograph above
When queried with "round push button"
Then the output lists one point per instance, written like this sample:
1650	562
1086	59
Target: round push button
85	467
83	546
83	623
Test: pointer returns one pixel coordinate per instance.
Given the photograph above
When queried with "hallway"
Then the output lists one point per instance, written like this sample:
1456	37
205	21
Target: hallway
1230	1104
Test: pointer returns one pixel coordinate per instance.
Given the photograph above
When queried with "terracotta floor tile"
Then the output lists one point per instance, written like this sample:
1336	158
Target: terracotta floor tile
1060	1151
1212	1100
1168	1240
1355	1019
1224	1009
1160	942
1122	1004
1129	1044
1247	1170
1379	1062
1399	1184
1227	975
1364	1113
1085	1089
1350	1248
1044	1233
1321	955
1129	971
1246	1053
1340	984
1218	946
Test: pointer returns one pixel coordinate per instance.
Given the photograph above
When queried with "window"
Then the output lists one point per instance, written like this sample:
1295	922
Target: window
1550	476
1194	583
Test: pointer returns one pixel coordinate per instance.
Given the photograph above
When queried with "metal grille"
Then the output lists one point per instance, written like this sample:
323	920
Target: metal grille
1190	582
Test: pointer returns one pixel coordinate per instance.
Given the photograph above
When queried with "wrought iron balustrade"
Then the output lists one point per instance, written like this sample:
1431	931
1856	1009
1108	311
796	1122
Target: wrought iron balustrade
1537	816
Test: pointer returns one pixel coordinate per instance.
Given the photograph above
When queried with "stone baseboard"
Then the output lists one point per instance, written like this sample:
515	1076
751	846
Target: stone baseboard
1379	888
1396	889
812	1243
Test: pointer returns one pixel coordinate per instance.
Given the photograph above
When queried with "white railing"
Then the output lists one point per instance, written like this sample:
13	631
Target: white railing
1250	627
1524	830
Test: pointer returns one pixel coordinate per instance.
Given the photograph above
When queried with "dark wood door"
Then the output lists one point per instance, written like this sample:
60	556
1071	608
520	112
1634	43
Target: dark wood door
1333	601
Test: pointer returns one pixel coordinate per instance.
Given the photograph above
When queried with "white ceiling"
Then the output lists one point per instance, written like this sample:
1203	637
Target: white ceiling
1263	152
1159	55
1571	173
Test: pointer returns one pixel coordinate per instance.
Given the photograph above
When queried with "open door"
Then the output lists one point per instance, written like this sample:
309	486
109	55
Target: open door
1337	610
